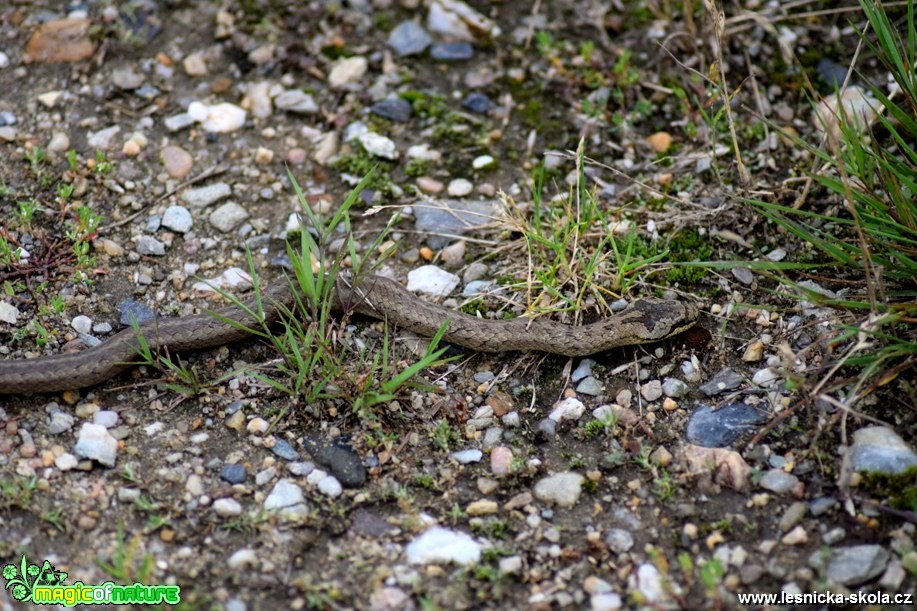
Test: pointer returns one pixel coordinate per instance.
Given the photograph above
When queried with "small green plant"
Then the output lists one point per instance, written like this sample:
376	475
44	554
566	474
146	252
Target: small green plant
664	485
247	522
127	473
429	105
602	424
55	306
586	49
9	254
456	514
72	161
314	364
41	334
417	167
425	481
36	158
626	73
64	190
24	213
18	492
81	231
573	251
711	574
103	165
125	565
544	44
444	436
54	518
187	383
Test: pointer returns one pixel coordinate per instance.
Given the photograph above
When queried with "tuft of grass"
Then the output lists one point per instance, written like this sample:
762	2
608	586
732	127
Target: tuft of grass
184	379
314	365
578	249
126	564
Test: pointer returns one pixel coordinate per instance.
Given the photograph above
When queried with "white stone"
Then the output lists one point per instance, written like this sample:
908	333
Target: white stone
440	545
8	313
50	99
204	196
243	558
219	118
228	216
347	71
95	443
66	461
570	408
295	100
330	486
231	278
563	488
467	456
764	376
482	162
432	280
459	187
378	145
287	499
227	508
102	139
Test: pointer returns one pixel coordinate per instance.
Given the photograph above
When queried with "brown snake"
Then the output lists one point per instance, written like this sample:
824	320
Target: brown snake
643	321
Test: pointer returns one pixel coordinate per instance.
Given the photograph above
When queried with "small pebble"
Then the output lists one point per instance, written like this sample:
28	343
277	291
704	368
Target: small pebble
451	51
478	102
347	71
177	218
233	473
150	246
465	457
408	38
228	216
652	390
394	109
459	187
227	508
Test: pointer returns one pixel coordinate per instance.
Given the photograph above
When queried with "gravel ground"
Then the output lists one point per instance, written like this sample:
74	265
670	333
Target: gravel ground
673	475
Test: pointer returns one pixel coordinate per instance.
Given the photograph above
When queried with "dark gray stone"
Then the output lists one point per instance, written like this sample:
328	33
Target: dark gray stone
134	310
717	429
478	102
234	474
340	460
451	51
725	379
393	109
284	450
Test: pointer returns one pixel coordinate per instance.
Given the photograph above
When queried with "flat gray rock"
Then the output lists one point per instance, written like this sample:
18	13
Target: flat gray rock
452	217
878	448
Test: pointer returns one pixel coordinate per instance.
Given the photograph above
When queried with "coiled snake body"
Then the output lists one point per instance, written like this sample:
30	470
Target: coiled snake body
643	321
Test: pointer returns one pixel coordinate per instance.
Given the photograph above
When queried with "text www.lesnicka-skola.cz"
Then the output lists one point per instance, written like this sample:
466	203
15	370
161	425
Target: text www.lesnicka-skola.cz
827	598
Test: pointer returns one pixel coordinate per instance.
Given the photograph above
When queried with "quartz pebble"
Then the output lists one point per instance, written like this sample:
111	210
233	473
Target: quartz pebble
219	118
440	545
563	488
432	280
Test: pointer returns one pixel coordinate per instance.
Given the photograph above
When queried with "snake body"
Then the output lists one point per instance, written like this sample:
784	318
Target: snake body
643	321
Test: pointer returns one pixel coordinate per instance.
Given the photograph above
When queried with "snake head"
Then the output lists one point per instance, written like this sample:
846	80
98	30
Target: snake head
664	318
